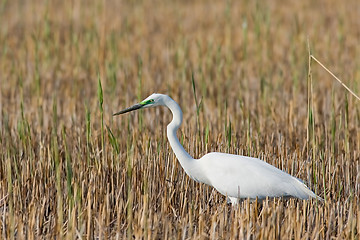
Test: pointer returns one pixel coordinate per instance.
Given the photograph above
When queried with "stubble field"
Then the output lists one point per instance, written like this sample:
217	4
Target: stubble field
68	169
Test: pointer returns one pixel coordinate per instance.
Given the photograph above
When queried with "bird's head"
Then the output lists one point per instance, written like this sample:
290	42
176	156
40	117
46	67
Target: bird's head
153	100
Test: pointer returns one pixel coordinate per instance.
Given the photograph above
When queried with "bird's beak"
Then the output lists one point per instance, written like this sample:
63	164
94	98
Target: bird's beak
129	109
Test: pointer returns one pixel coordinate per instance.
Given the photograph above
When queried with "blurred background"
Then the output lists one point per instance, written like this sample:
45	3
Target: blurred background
240	71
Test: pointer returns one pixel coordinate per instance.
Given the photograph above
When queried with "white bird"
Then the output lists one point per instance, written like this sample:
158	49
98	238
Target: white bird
234	176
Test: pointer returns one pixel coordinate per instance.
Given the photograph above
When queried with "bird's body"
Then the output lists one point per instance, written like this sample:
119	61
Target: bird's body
234	176
254	178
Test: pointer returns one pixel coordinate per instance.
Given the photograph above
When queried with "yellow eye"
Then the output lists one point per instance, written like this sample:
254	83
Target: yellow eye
147	102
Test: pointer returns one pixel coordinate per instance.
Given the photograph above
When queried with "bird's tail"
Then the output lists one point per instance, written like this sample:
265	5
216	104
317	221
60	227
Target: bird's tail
311	193
307	193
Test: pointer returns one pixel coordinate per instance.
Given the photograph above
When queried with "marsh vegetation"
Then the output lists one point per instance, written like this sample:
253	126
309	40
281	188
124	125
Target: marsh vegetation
68	169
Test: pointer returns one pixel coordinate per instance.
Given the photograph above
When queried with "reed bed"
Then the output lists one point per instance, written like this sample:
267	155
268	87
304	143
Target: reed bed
240	71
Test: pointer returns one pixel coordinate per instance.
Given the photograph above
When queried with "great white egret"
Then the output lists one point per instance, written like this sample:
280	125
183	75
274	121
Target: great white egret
234	176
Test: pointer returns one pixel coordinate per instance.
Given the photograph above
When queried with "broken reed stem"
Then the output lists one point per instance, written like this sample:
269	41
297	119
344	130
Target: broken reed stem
343	84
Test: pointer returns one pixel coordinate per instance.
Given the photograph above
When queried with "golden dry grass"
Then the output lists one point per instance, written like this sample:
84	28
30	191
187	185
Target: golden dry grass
63	175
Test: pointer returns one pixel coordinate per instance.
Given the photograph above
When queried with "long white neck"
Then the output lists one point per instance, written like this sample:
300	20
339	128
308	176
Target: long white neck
186	161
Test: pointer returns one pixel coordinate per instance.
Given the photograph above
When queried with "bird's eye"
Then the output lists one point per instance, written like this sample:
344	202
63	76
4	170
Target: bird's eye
147	102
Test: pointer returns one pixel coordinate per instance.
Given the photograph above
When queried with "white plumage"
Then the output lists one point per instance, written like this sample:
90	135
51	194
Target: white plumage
234	176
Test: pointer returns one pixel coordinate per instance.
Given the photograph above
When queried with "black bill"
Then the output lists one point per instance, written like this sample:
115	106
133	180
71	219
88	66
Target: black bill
129	109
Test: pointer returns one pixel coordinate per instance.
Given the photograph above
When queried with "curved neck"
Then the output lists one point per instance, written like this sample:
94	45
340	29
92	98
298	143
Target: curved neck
184	158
